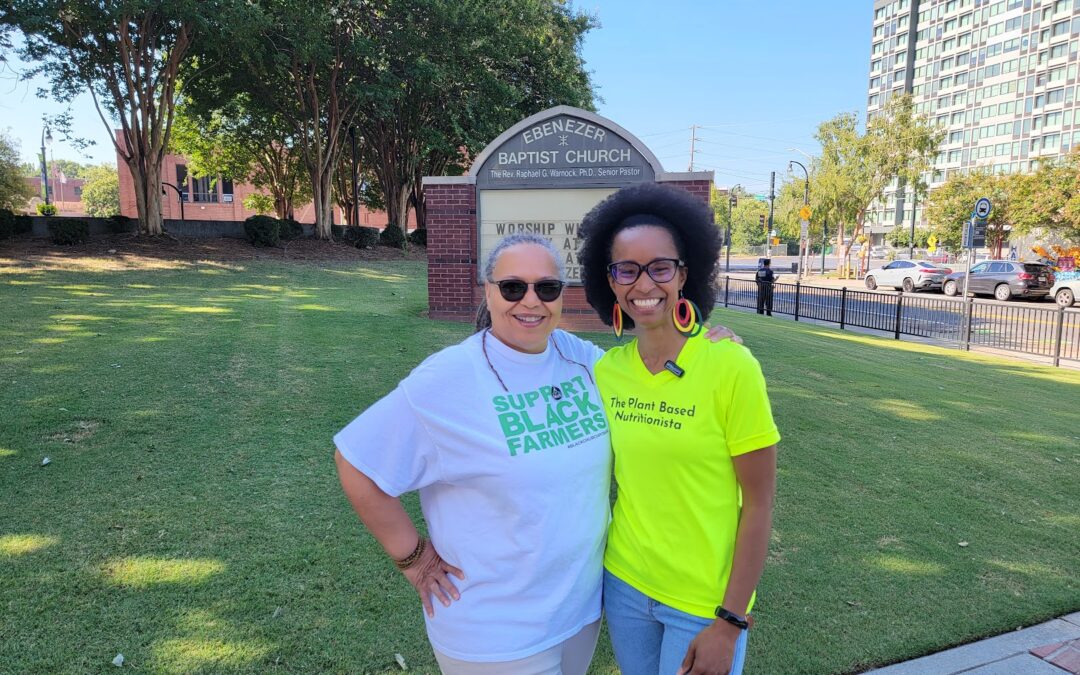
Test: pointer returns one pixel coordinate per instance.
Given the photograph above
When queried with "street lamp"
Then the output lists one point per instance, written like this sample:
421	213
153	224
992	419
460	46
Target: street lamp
179	195
46	139
803	241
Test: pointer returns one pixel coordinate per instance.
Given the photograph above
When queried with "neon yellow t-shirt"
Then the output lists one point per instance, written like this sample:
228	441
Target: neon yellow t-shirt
673	529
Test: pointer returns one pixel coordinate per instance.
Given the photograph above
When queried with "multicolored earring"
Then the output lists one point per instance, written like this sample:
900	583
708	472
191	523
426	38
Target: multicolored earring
685	315
616	321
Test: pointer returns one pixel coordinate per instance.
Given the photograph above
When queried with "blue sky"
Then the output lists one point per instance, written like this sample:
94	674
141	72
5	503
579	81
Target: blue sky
758	76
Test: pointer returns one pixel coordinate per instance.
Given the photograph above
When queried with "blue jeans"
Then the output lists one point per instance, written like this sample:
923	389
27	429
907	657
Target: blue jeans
650	638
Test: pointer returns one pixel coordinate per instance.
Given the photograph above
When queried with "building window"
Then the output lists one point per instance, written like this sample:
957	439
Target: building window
181	181
226	190
203	191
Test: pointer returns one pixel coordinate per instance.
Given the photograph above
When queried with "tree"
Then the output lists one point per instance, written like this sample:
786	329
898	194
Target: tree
855	168
221	135
128	55
745	219
435	99
950	206
101	192
305	64
900	237
371	196
14	190
1049	198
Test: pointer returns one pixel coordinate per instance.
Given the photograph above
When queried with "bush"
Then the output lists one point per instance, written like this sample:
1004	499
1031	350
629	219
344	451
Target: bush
262	230
119	224
66	231
368	237
7	224
24	224
338	231
44	209
392	236
289	229
419	236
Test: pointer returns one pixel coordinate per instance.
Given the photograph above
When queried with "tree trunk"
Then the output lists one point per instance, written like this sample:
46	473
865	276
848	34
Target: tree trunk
281	205
421	209
147	195
324	205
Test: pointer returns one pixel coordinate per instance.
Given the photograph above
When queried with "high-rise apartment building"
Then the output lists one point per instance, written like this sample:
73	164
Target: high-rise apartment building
999	75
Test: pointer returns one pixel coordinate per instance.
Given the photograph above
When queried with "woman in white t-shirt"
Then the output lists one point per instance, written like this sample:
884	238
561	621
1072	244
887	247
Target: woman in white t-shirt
505	438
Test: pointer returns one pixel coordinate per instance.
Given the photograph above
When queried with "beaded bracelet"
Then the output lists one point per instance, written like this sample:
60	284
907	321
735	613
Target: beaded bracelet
413	557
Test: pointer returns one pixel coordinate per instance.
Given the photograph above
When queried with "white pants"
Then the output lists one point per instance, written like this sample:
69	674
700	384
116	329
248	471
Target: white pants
569	657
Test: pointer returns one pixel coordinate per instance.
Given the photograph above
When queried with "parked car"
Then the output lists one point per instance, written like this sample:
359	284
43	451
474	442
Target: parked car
1003	279
909	275
1066	293
879	251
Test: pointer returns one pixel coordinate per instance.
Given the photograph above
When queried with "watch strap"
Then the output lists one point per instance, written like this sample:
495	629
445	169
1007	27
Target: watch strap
734	619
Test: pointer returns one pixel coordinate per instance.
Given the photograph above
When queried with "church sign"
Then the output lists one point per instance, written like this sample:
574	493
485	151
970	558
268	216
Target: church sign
544	174
541	176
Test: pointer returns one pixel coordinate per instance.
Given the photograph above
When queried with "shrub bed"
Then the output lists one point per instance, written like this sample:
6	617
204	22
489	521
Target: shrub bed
263	230
392	236
67	231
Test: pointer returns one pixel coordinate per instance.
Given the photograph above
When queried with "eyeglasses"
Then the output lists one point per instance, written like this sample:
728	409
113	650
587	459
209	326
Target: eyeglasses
660	270
513	290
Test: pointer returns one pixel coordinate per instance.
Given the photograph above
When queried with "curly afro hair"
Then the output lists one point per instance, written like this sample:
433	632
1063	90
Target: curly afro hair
688	219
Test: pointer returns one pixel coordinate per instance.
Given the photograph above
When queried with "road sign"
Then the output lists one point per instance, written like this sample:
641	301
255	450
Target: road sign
804	212
974	234
761	220
804	229
982	208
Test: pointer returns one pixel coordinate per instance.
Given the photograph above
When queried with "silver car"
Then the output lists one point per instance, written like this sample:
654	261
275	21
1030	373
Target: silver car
909	275
1066	293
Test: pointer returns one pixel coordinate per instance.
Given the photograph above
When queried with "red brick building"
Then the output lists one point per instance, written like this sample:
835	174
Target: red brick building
64	192
223	199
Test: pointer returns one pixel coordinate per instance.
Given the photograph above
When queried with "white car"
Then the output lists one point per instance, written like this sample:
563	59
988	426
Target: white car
879	251
1066	293
909	275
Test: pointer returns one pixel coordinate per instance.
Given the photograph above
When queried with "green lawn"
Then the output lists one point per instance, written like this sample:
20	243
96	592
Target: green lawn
191	518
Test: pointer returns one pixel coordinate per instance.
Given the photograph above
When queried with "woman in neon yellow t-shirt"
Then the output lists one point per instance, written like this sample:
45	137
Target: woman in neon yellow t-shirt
693	435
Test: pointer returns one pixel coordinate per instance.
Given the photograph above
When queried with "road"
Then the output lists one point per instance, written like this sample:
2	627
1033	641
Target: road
1025	326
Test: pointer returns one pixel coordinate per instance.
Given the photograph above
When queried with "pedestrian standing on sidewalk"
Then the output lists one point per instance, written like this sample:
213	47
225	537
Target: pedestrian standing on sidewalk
764	278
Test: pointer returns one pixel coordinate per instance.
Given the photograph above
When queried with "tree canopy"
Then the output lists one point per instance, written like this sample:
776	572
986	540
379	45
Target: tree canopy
856	167
127	54
14	190
101	191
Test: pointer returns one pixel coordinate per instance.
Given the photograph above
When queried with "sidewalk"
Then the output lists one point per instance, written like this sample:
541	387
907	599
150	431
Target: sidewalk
1051	648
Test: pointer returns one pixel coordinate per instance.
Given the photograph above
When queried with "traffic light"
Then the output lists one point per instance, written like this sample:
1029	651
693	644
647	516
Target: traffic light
761	221
733	201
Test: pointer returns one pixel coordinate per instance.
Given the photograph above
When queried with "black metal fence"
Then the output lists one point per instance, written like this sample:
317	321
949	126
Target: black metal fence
1053	332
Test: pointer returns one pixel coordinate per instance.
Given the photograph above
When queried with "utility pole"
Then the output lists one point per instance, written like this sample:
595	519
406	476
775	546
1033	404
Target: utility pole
693	142
772	198
733	201
914	205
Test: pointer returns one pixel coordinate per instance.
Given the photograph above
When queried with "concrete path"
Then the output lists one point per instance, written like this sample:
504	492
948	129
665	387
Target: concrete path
1051	648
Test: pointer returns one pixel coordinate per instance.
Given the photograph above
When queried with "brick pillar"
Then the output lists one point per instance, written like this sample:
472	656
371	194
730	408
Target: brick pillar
451	247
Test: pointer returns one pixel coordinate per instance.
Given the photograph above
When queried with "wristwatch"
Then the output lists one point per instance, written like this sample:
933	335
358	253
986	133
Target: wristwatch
734	619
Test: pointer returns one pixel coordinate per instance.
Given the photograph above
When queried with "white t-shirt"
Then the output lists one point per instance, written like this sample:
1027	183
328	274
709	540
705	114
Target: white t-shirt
513	485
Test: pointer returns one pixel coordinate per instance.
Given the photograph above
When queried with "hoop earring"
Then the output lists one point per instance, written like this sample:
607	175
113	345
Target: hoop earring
617	321
685	316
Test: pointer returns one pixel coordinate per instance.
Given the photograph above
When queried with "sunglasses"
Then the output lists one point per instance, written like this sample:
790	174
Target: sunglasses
661	270
513	290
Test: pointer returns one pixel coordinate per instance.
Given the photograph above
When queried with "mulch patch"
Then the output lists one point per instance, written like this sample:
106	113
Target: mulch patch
127	251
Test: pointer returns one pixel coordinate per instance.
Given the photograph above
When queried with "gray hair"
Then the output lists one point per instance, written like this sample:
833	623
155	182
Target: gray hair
483	316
